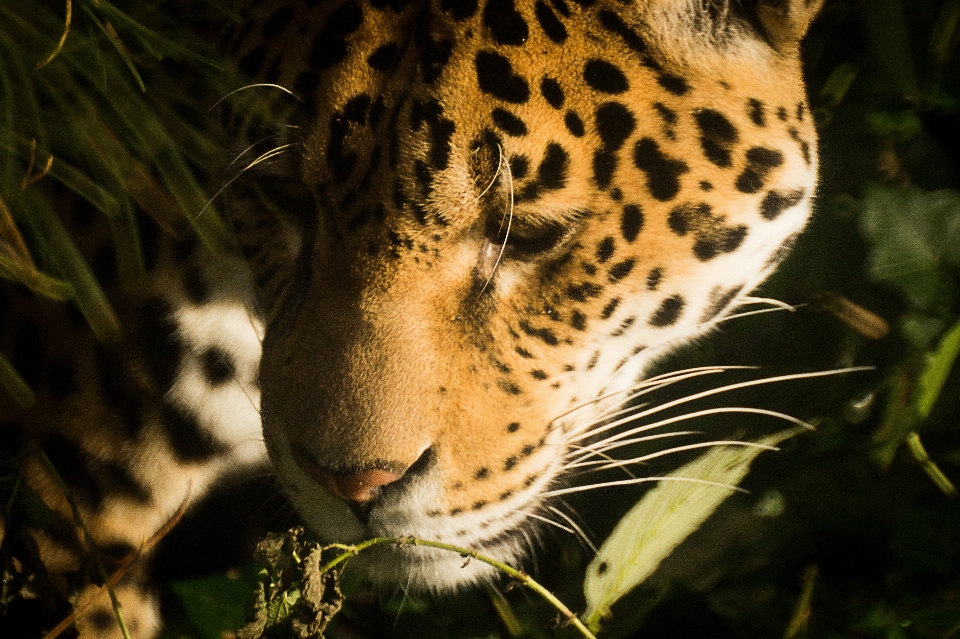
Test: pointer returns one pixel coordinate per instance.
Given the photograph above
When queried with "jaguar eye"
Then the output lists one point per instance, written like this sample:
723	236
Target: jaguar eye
530	241
526	240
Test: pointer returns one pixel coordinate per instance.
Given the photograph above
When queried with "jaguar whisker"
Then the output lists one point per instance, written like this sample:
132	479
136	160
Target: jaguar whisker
639	480
257	85
263	157
770	301
579	531
582	449
723	389
551	522
509	181
599	449
670	451
247	150
647	385
618	438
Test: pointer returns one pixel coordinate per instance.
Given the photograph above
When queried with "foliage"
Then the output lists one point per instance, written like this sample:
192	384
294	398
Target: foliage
914	241
660	521
216	601
860	512
297	596
77	129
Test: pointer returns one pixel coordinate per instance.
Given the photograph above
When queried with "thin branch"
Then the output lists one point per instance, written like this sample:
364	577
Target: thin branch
121	570
510	571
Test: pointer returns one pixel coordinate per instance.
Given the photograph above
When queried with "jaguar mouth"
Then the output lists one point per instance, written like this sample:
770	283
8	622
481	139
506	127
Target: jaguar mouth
403	511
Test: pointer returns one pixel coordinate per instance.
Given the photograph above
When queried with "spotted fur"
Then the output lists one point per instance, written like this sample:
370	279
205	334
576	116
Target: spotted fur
468	222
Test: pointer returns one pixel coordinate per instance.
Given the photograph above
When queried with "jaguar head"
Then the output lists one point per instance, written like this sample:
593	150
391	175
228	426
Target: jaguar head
512	207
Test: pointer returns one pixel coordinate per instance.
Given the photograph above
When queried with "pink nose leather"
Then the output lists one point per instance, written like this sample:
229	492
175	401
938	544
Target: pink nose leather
359	487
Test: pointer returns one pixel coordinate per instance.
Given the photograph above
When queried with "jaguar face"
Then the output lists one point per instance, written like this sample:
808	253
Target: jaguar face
513	208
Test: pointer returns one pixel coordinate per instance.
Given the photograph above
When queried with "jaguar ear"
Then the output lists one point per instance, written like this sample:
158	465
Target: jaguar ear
785	22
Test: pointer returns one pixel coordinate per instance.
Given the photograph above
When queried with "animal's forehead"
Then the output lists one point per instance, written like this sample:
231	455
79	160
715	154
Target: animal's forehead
572	112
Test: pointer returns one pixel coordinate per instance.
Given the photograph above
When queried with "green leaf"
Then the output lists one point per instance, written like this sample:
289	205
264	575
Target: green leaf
14	384
72	268
939	364
899	418
665	517
838	83
914	234
911	396
18	270
216	603
901	125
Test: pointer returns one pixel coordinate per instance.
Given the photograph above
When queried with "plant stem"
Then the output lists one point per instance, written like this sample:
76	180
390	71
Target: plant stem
117	610
510	571
928	465
801	613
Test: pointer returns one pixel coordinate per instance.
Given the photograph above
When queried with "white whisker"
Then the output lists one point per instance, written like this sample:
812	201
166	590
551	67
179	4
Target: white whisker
255	86
639	480
601	447
723	389
255	324
770	301
269	155
669	451
639	390
493	180
506	236
247	150
583	449
531	548
246	393
577	528
266	156
547	520
406	593
734	316
647	385
617	440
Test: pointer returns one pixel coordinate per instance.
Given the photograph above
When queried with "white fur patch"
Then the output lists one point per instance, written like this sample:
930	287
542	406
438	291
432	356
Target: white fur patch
230	411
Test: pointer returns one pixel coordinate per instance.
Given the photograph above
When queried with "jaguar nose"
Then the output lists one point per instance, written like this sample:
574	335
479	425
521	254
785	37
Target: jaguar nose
358	487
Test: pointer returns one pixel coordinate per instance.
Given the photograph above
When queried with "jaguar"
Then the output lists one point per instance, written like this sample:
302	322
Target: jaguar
465	228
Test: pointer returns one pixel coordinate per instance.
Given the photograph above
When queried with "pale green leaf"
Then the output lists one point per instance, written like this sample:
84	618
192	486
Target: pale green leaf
935	372
665	517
